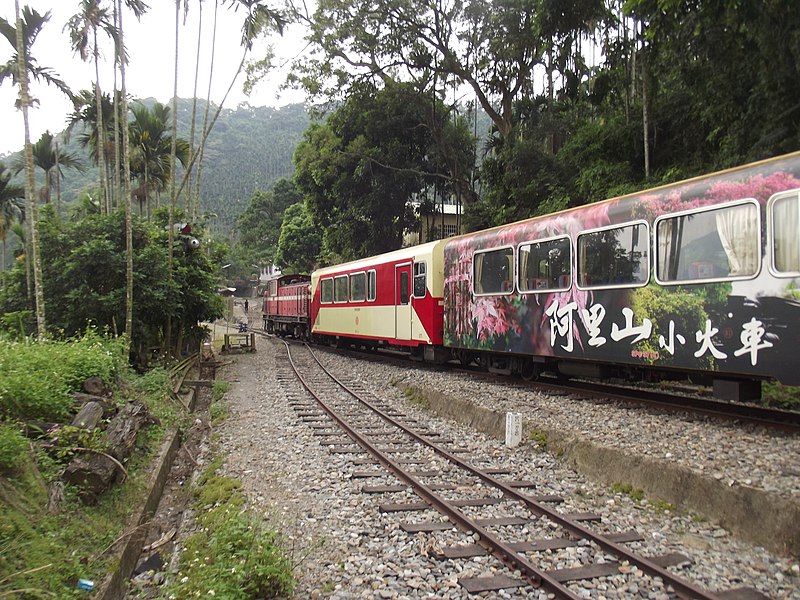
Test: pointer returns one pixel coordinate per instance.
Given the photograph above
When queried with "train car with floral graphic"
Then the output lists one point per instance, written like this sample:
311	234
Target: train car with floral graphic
698	278
391	300
287	300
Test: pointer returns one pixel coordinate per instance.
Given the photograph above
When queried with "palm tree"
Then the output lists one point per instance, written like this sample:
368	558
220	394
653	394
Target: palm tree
22	36
83	28
48	157
32	24
12	207
150	144
23	50
138	8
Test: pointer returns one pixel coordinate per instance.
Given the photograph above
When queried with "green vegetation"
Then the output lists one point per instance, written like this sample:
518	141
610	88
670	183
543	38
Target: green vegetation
635	494
780	396
85	274
44	552
217	411
234	555
539	436
416	397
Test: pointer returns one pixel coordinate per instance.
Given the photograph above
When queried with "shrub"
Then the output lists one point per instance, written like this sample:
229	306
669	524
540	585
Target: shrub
12	447
37	378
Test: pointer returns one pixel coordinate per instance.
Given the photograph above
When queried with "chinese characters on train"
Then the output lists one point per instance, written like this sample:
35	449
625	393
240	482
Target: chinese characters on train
562	319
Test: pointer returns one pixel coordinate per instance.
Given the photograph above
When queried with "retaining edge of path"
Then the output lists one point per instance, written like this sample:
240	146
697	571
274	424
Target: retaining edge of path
114	585
751	514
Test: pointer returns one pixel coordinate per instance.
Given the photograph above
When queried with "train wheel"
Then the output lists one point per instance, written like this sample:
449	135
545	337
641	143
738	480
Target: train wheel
530	370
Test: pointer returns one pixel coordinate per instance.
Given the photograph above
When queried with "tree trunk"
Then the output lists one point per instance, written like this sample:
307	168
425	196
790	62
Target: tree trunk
126	191
645	107
101	150
30	182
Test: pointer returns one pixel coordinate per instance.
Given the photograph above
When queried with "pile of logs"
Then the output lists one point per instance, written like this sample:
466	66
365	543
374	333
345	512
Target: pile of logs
93	471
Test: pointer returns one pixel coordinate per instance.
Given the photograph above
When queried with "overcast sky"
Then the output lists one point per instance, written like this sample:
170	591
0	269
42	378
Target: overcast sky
150	72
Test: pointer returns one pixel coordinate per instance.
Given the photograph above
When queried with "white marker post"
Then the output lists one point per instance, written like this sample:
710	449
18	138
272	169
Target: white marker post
513	429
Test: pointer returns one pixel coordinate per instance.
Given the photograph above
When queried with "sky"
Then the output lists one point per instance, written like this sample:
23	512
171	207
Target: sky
150	72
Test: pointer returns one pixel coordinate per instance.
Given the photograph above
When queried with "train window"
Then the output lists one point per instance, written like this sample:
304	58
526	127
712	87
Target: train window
404	287
326	291
715	243
358	285
340	288
785	216
272	288
614	257
493	271
420	281
545	266
371	286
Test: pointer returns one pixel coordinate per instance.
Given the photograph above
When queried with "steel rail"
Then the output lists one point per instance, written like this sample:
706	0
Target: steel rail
495	546
681	586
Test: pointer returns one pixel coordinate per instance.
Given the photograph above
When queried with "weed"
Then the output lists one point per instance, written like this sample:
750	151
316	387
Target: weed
234	554
13	447
219	389
635	494
781	396
539	436
662	506
416	397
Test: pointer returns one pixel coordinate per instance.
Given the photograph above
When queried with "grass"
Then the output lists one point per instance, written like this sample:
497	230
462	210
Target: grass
416	397
635	494
540	438
234	554
43	554
777	395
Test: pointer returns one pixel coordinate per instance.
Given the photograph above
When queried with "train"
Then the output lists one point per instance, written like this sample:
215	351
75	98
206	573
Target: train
697	280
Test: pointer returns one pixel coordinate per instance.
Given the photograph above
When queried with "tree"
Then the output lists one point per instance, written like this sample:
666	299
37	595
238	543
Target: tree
27	28
361	169
48	157
83	28
138	8
150	151
12	203
32	24
259	226
300	241
491	46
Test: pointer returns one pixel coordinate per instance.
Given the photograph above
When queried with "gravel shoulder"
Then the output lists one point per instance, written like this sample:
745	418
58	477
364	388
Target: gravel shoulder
344	547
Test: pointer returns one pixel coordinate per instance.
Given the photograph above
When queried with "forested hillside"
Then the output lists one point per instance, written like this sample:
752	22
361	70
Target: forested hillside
248	149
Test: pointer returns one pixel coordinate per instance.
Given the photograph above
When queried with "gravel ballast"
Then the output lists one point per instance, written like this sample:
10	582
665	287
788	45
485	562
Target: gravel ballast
345	548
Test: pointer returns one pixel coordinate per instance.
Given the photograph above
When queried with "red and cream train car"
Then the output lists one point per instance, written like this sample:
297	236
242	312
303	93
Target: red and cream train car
286	305
394	299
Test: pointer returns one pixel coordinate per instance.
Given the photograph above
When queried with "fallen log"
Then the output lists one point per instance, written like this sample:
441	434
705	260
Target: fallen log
89	415
93	474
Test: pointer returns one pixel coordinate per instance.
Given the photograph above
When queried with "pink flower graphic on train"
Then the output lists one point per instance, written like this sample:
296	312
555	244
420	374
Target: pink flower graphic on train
493	318
566	223
760	187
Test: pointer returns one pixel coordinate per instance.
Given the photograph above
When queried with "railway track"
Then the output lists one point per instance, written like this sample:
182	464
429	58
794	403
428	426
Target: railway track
429	478
783	420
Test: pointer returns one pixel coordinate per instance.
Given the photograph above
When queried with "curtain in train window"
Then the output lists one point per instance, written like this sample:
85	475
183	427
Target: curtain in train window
713	244
786	225
612	257
358	285
493	272
420	280
326	290
371	286
544	266
340	289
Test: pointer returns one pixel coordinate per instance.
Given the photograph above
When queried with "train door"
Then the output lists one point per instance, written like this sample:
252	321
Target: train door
402	301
